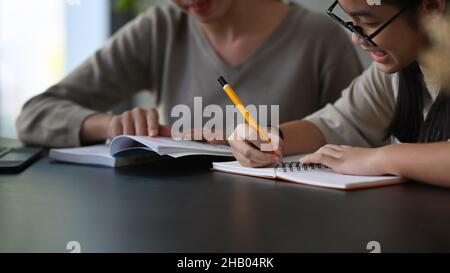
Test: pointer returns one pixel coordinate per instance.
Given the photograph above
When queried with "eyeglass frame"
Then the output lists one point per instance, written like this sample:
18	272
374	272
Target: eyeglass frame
357	29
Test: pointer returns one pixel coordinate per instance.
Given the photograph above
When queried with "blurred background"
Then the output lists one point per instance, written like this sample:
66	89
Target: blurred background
41	41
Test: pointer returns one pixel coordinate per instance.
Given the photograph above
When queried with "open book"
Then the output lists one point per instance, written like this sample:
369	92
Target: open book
309	175
129	150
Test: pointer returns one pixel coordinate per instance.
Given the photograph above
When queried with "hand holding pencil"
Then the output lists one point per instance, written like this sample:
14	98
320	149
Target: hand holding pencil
265	152
241	107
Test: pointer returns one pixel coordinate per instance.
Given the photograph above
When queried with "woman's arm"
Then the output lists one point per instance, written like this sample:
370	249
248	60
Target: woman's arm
428	163
423	162
112	75
301	137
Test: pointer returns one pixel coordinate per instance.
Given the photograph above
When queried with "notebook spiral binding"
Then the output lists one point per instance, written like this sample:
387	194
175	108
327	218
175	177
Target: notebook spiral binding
297	166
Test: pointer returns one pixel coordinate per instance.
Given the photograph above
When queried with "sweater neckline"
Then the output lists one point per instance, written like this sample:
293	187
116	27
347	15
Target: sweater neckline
268	44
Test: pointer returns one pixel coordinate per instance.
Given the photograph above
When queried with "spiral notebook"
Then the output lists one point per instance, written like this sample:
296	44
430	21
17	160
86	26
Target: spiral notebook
291	170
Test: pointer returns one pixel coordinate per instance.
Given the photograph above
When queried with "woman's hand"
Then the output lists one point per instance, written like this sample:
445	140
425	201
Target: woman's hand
348	160
251	151
138	122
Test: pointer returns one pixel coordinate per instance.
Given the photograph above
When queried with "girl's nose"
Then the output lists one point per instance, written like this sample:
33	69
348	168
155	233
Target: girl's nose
356	39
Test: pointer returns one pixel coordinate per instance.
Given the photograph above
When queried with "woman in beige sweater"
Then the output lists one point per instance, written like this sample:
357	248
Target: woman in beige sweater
395	101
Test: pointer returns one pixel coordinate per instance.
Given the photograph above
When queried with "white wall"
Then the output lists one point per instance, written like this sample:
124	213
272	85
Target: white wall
40	41
88	27
32	54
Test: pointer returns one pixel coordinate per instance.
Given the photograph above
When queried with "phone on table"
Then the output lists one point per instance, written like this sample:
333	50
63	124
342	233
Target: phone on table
15	160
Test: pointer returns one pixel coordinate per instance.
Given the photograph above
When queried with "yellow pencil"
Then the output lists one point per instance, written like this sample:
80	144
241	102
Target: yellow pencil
240	106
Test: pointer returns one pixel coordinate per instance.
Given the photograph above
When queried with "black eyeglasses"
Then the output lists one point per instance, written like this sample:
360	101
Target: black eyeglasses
357	29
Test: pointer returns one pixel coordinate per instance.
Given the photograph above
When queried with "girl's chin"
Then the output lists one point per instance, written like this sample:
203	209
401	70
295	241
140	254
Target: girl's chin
388	68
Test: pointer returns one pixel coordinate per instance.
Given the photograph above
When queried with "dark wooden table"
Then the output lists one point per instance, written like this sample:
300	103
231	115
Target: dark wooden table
181	206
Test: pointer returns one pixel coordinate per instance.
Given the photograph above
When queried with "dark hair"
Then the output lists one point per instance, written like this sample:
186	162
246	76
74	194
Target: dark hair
408	124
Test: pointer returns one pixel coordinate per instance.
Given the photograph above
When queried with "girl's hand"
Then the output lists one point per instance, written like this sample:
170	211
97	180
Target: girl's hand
251	151
348	160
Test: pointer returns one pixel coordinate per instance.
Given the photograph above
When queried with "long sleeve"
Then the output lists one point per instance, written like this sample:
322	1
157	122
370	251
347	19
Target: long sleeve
363	113
112	75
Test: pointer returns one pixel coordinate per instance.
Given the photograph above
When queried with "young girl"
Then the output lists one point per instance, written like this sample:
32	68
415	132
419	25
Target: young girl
265	47
393	102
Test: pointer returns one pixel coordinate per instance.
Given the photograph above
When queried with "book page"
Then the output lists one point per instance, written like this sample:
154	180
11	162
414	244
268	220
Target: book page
166	146
97	150
92	155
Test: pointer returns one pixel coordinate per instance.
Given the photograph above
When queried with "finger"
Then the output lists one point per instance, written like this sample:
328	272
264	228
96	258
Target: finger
334	147
242	160
331	151
153	122
246	162
320	158
249	152
346	147
273	146
140	123
253	137
279	151
116	128
128	123
239	144
244	132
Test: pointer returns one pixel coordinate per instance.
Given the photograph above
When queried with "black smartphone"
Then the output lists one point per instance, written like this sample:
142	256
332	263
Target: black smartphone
16	160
